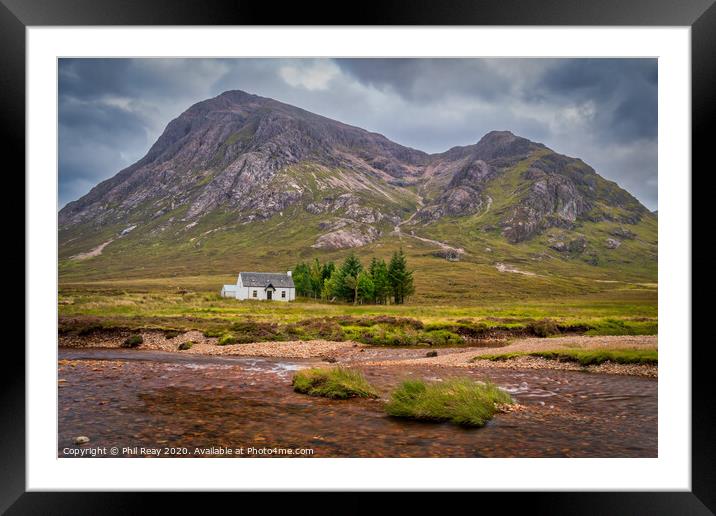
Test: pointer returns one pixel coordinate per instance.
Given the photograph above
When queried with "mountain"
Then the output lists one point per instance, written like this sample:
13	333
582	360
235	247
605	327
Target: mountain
241	180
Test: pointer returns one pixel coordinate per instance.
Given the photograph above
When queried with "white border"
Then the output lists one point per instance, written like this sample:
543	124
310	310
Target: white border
670	471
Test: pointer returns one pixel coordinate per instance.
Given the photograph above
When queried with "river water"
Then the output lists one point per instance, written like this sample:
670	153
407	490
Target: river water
186	404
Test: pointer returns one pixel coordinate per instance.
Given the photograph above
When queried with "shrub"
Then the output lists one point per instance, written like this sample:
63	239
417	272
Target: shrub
246	338
322	328
227	338
387	320
403	322
255	331
133	341
431	354
250	326
186	345
578	328
213	333
441	338
170	334
543	328
385	335
89	329
462	328
382	336
459	400
334	383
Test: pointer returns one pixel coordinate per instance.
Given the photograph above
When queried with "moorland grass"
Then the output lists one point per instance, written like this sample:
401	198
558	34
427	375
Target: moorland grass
83	311
458	400
334	383
612	326
373	330
584	357
145	303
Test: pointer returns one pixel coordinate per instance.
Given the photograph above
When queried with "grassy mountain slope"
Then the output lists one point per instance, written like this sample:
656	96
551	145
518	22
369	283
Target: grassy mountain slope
240	182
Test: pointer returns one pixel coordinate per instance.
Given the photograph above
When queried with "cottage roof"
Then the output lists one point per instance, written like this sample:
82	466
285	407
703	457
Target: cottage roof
263	279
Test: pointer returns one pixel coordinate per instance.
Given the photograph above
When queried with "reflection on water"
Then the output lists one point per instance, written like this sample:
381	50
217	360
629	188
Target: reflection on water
131	398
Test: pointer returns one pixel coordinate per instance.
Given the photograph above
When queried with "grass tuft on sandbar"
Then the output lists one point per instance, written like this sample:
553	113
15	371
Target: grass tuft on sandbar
334	383
584	357
458	400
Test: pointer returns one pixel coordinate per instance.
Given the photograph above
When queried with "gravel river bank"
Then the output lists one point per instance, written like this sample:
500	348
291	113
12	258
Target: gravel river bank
188	404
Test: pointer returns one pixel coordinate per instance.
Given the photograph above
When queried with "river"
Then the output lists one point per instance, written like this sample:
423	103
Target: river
132	399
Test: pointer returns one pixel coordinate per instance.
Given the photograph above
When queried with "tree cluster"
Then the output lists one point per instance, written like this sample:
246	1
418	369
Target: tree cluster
379	283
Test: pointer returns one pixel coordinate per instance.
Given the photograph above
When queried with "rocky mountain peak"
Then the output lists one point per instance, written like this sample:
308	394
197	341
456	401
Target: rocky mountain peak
242	159
503	144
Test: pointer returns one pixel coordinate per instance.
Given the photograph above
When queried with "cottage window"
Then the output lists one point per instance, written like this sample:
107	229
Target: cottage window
283	294
255	293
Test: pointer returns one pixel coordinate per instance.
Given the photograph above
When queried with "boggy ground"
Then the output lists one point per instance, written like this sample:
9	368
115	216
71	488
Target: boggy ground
628	311
622	320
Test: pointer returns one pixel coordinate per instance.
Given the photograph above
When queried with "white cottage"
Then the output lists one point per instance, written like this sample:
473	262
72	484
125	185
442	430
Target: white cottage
267	286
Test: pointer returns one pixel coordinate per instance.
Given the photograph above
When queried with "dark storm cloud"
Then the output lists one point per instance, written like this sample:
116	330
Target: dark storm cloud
626	91
602	110
429	79
92	138
92	78
99	78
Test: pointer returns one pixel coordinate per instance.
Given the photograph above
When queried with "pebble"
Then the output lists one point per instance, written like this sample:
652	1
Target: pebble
82	439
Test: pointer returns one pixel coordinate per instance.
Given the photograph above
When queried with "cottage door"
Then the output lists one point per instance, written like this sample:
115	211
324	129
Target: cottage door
269	293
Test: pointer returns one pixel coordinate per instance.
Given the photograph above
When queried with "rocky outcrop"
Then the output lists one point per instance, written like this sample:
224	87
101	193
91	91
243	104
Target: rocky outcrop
575	245
463	195
347	237
612	243
553	200
344	233
350	205
623	233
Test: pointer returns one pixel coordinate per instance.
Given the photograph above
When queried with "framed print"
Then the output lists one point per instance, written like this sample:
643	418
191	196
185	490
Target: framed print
442	250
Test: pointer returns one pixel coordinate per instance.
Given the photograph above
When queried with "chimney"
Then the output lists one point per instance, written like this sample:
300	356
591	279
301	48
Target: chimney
288	274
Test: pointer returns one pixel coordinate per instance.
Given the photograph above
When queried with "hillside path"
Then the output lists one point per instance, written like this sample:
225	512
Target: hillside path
442	245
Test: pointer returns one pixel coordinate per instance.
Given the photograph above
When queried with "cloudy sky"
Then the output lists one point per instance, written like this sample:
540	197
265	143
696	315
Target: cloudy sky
601	110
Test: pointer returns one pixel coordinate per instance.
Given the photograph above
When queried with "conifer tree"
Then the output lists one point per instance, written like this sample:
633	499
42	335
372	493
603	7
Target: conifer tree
400	278
379	275
365	289
302	279
347	278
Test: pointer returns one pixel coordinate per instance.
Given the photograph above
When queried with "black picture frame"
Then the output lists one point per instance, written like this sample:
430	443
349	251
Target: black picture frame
700	15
